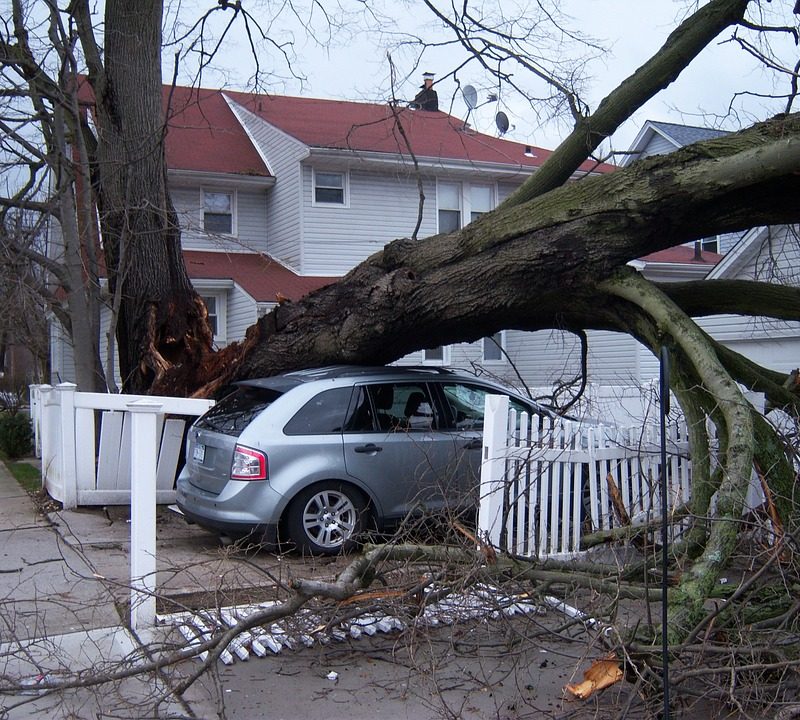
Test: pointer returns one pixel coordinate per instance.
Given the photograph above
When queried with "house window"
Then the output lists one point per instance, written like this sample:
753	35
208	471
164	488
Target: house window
435	356
215	306
461	203
330	188
480	200
493	347
218	212
448	196
710	244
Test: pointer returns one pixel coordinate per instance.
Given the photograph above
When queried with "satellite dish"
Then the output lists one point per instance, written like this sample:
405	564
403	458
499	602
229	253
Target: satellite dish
501	120
470	96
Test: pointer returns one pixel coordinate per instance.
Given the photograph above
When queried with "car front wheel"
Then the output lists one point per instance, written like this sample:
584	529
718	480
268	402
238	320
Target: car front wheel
326	518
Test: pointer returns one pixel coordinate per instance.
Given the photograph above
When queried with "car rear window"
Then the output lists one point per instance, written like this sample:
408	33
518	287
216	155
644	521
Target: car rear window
234	412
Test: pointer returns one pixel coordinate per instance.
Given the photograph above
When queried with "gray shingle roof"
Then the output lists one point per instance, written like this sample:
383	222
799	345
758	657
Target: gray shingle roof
686	134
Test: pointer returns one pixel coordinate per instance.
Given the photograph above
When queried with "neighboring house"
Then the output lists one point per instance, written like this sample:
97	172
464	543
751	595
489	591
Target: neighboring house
279	195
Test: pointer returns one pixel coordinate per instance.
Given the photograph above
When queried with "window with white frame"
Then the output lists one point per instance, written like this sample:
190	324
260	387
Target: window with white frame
493	347
448	196
481	200
216	307
218	212
330	188
460	203
711	244
435	356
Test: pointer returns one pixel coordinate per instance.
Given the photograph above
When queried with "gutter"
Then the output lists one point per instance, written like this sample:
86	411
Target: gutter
199	177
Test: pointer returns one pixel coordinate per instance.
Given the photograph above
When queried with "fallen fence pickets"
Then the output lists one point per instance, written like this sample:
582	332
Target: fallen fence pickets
307	628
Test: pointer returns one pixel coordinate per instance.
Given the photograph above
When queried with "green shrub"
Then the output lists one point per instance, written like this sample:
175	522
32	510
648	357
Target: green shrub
16	435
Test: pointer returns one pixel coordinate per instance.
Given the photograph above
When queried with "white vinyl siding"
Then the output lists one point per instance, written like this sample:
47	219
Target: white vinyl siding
284	201
658	145
62	358
250	226
382	208
241	313
774	257
548	357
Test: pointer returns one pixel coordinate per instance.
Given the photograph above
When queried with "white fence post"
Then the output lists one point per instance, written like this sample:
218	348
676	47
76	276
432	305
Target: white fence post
36	418
144	449
493	467
67	470
49	426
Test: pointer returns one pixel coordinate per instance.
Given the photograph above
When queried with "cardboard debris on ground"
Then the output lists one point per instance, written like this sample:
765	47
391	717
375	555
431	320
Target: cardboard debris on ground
600	675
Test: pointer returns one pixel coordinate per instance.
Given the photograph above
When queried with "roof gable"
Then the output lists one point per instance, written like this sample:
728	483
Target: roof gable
204	135
666	137
740	255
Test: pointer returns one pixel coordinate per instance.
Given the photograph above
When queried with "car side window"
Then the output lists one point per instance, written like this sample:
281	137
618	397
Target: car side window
414	407
324	414
391	407
465	403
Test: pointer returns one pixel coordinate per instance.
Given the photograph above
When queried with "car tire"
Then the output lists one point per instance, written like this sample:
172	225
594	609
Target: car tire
326	518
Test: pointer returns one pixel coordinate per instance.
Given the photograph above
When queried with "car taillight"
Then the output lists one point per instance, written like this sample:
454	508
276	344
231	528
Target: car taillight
248	464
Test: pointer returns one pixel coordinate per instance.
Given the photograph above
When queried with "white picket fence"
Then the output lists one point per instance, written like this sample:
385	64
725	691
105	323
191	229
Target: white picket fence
545	482
84	463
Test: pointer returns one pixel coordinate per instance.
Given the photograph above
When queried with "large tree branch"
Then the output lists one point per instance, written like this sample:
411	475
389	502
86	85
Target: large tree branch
686	607
739	297
423	293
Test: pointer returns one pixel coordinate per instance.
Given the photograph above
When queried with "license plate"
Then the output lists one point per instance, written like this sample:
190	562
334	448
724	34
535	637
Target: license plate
199	453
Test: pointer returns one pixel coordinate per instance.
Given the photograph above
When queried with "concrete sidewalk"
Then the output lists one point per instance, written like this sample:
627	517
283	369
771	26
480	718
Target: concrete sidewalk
64	594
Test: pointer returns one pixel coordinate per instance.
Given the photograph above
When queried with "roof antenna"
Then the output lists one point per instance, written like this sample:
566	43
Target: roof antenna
501	120
470	95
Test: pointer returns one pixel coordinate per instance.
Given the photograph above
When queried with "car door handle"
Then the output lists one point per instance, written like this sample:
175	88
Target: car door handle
371	448
474	444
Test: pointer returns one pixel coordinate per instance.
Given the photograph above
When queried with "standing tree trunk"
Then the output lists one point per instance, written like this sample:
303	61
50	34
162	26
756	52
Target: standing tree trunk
161	319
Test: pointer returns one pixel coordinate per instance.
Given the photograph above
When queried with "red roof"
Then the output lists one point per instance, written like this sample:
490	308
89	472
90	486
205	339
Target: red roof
684	255
263	278
333	124
203	134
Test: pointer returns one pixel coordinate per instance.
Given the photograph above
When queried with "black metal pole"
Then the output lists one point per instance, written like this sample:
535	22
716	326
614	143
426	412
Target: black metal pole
664	391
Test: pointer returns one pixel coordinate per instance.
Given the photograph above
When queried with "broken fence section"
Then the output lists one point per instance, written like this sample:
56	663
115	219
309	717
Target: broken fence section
307	628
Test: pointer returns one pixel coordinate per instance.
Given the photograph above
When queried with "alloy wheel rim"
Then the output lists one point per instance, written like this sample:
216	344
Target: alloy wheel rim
329	518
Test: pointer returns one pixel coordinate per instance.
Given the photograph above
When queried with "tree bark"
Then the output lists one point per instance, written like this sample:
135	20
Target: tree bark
161	319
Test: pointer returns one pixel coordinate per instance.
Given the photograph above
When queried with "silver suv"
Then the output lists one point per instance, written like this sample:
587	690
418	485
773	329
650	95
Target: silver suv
319	456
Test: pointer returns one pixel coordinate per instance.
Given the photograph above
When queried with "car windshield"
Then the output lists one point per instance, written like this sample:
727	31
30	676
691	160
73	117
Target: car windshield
234	412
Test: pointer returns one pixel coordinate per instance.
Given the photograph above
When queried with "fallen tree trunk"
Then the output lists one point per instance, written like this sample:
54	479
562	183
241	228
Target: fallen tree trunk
424	293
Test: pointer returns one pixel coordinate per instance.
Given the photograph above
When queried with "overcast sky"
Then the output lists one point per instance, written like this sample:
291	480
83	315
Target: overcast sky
350	63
